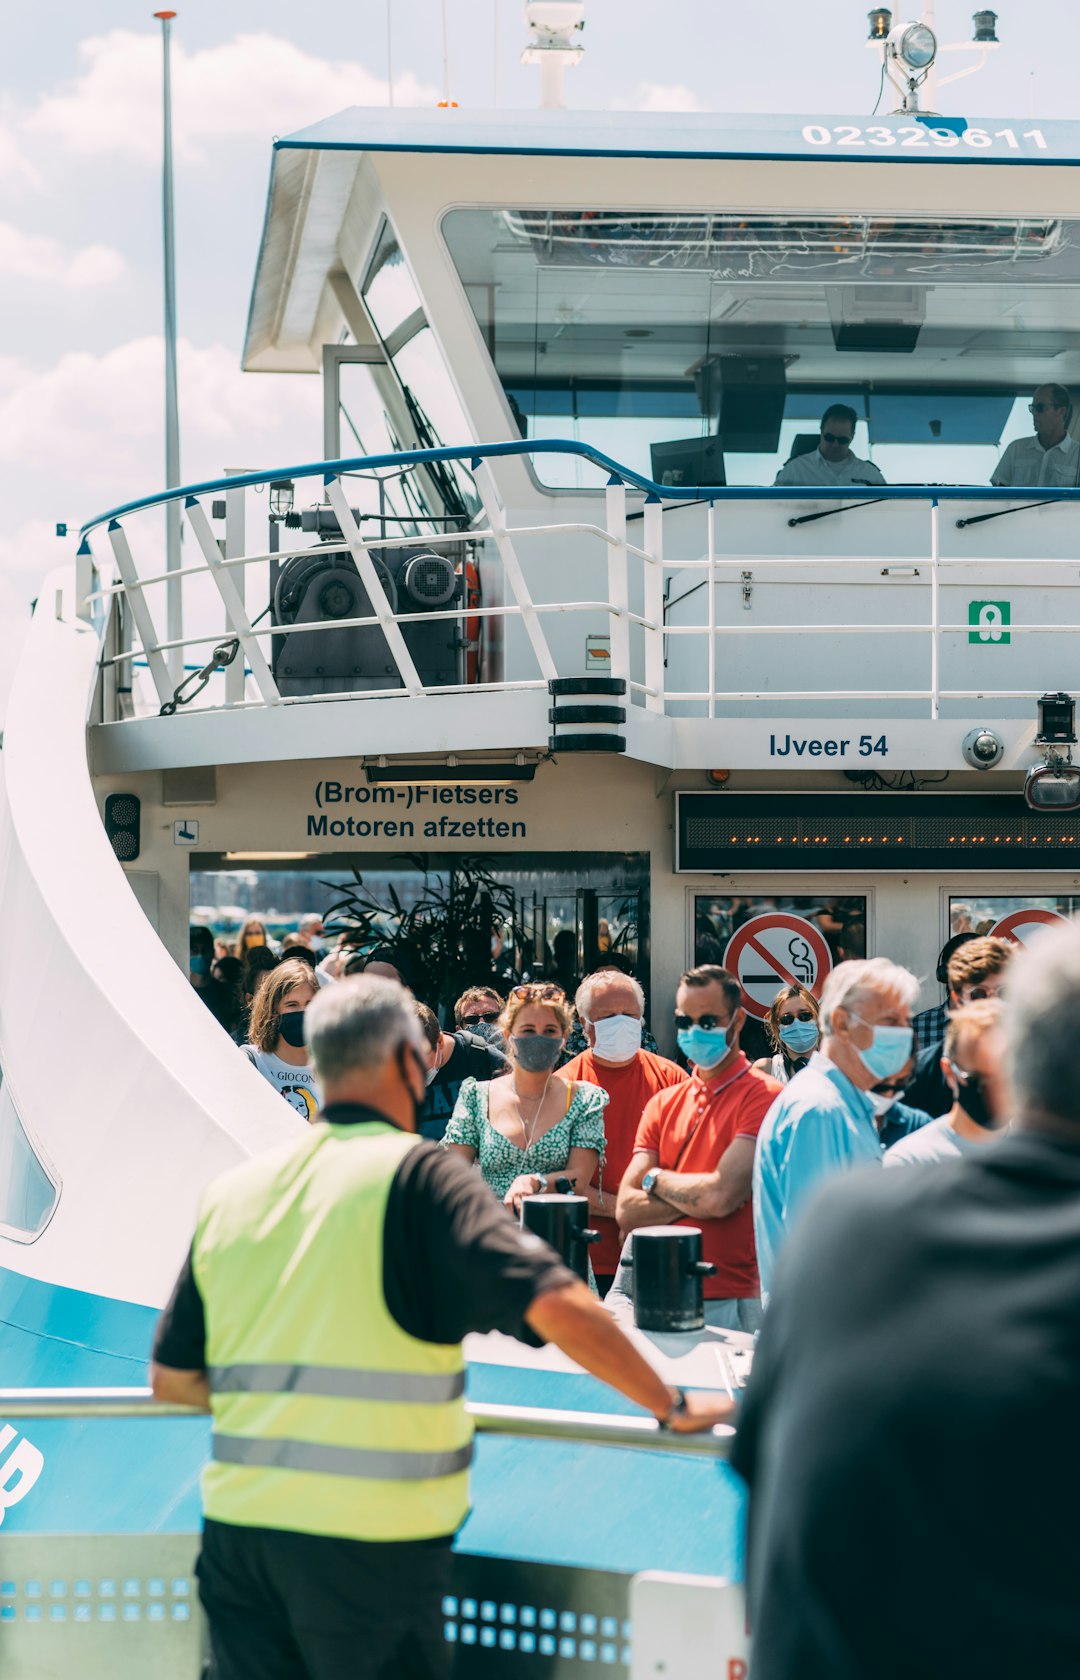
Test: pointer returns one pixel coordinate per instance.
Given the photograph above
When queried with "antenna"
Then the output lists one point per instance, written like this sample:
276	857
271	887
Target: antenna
911	52
173	598
555	28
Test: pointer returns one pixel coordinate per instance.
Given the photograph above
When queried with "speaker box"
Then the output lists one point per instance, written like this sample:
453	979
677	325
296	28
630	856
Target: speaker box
745	396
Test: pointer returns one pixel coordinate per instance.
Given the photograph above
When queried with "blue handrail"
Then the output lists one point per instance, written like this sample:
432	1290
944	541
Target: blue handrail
476	452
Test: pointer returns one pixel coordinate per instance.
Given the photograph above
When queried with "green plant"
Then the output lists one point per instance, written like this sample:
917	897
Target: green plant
444	940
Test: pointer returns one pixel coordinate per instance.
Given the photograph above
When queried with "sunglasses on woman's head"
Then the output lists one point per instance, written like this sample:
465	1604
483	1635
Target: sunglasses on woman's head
489	1015
789	1020
544	989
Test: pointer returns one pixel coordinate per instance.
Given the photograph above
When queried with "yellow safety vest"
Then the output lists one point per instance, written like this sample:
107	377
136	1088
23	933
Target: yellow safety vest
328	1418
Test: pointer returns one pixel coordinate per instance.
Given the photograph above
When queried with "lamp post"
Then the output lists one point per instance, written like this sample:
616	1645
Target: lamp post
174	610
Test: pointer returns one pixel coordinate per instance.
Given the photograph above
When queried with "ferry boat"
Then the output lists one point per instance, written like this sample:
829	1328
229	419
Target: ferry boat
532	600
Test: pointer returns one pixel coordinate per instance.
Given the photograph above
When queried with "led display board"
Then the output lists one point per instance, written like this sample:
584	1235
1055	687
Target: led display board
726	832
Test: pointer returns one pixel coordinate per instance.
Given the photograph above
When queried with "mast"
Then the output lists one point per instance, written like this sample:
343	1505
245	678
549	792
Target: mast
173	596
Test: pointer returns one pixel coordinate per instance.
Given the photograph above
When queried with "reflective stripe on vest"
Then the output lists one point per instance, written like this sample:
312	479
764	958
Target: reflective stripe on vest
340	1461
338	1382
329	1418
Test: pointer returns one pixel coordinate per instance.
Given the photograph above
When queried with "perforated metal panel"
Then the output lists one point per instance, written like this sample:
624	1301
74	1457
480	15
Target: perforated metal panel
99	1607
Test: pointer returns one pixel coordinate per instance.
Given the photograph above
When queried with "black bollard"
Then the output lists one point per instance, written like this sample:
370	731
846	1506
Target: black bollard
561	1221
667	1270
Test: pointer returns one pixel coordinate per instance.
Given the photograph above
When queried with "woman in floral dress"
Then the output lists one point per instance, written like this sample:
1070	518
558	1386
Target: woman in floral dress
532	1126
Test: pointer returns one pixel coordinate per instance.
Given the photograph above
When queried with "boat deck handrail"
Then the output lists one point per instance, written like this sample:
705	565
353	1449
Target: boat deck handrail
532	1422
627	599
476	452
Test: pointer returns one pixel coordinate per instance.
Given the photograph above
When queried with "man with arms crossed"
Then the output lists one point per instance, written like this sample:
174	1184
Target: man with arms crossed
694	1152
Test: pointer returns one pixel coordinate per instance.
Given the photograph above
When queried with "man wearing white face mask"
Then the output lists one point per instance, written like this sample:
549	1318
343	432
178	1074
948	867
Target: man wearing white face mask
611	1009
825	1120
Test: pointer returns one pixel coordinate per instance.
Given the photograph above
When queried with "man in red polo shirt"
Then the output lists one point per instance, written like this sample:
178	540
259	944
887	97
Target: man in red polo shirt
611	1009
694	1153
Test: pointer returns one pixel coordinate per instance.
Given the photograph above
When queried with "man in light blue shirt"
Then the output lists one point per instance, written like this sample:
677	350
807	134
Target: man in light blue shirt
825	1121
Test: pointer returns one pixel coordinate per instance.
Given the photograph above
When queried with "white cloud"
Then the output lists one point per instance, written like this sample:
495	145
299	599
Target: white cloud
661	96
15	167
253	85
37	256
102	417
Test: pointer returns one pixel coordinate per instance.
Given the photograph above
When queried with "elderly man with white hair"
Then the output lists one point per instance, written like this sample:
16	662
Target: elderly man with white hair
825	1120
611	1008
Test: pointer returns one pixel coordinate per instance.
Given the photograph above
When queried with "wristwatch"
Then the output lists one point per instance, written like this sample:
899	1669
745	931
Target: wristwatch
649	1181
678	1410
565	1186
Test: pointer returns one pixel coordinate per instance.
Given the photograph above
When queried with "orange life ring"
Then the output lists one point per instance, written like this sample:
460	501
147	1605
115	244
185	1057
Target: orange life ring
473	624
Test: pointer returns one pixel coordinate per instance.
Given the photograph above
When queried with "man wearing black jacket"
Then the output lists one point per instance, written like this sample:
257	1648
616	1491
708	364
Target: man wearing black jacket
909	1429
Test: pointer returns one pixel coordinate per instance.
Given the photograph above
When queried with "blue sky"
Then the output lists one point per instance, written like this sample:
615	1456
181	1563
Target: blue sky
80	267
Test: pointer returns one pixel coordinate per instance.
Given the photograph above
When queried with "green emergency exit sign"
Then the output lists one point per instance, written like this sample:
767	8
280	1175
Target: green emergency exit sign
989	623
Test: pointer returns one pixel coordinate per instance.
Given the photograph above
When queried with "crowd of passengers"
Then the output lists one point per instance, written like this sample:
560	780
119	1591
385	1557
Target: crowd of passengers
1048	460
544	1094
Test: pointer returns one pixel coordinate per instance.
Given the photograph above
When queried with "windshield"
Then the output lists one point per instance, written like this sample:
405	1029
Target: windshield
707	349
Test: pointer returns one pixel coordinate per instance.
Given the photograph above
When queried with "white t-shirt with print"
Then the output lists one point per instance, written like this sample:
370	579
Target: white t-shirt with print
296	1084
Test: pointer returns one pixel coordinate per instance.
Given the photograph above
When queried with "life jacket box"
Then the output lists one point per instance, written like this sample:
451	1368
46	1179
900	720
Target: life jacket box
561	1221
320	588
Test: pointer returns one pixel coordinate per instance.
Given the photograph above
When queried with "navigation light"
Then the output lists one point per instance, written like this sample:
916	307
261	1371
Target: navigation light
985	29
880	23
1054	783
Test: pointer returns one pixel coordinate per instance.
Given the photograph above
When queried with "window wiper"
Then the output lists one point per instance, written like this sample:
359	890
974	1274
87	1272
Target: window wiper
829	513
1000	513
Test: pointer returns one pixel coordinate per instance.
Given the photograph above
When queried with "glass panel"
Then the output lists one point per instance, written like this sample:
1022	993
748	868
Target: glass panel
801	939
436	415
638	331
389	290
542	889
1016	918
28	1193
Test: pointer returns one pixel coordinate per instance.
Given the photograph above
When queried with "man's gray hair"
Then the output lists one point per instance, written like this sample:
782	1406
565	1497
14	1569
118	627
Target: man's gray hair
850	981
603	976
1040	1024
358	1024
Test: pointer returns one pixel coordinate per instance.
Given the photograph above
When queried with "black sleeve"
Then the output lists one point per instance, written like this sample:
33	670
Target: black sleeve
180	1338
454	1259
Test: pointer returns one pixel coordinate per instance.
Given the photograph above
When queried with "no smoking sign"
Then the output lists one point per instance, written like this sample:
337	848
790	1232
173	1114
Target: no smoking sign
773	951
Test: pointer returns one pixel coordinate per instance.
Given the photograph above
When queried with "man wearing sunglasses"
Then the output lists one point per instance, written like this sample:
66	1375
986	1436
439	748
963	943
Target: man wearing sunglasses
694	1151
832	462
1051	458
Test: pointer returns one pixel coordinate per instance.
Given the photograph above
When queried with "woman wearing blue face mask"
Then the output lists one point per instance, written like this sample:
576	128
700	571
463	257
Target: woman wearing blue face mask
531	1129
792	1026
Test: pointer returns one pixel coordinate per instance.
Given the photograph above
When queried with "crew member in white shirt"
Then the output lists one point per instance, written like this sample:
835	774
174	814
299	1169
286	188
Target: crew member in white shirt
832	462
1051	459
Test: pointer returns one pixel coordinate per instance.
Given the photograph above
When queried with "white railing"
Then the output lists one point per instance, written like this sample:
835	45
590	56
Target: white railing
633	601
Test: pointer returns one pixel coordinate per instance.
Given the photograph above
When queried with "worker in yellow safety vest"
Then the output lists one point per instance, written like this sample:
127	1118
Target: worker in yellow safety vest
319	1317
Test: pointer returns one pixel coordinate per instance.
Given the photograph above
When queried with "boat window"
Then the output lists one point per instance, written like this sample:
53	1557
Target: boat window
1017	918
705	348
428	412
28	1189
389	289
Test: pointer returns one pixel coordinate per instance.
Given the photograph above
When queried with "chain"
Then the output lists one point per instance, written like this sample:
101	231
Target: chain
223	655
